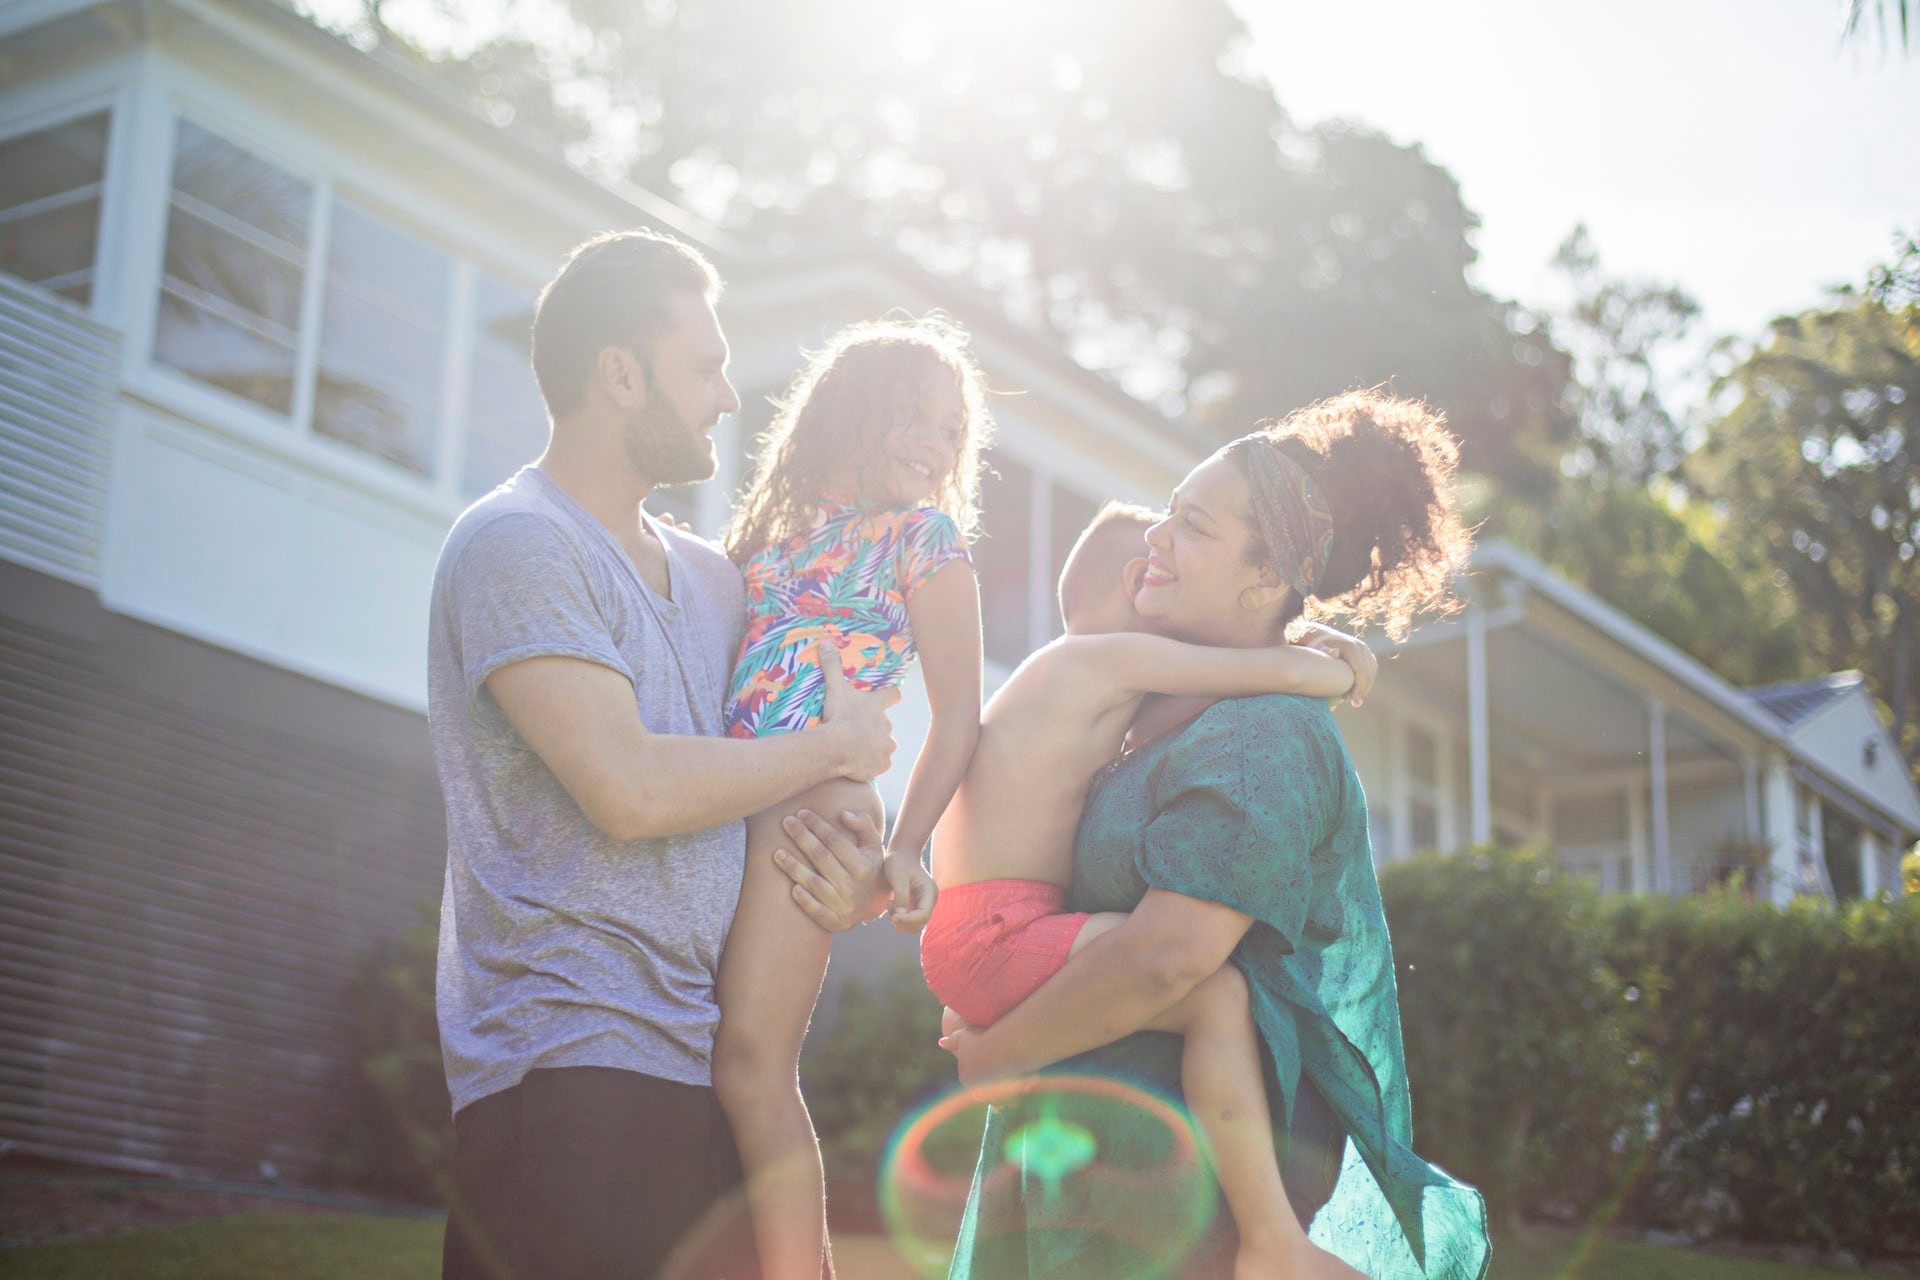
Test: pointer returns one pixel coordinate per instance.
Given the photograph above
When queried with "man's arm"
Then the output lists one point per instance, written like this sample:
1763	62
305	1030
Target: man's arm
1133	663
1112	988
581	719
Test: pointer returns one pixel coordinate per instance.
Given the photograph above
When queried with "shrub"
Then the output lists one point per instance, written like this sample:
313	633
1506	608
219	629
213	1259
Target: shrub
1524	1076
867	1072
1787	1081
399	1138
1705	1062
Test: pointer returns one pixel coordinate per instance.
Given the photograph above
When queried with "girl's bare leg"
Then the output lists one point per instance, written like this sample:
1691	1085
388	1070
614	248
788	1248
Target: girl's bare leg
769	979
1223	1077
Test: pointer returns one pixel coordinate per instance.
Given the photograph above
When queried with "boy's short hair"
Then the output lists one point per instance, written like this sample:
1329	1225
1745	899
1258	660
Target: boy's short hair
612	291
1110	522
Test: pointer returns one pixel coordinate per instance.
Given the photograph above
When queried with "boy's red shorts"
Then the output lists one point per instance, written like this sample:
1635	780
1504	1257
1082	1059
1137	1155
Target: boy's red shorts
990	944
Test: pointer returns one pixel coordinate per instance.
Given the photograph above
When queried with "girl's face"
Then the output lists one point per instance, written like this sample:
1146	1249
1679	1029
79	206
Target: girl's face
1199	585
916	455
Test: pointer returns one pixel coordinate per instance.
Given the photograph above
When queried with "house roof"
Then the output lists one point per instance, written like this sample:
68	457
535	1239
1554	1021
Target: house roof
1794	701
1772	712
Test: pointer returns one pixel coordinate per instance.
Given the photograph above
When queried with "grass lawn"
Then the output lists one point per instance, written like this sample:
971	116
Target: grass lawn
372	1248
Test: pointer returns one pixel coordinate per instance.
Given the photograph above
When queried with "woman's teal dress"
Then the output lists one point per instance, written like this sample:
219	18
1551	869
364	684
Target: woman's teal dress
1255	805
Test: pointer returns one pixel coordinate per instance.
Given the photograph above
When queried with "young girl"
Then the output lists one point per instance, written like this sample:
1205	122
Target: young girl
853	540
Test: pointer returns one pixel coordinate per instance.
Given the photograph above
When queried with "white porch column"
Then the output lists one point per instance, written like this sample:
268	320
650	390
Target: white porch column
712	500
1750	780
1042	607
1480	779
1869	865
1639	871
1783	861
1657	793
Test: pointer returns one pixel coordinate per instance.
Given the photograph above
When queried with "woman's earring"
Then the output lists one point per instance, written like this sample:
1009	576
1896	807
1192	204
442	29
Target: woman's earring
1249	605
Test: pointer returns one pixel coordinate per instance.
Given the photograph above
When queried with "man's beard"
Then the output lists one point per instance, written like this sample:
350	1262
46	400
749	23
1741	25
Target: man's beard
664	448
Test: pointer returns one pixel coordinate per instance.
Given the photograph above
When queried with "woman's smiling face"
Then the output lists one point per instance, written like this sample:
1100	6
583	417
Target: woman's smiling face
1198	569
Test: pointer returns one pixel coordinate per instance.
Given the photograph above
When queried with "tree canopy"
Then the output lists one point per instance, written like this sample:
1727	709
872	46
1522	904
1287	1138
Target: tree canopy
1114	174
1814	463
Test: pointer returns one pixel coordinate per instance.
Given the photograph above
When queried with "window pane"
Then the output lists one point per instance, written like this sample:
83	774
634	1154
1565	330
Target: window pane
241	185
383	340
1423	756
1424	821
1071	514
229	305
506	418
1000	556
50	205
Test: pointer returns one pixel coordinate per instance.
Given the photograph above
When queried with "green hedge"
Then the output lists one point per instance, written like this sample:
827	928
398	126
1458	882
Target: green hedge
1702	1063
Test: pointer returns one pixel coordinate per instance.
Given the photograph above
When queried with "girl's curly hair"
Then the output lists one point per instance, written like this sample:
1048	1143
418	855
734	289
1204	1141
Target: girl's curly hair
1385	466
841	406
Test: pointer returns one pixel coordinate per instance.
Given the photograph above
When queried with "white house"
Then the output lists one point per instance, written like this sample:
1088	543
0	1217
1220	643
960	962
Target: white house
1541	714
263	308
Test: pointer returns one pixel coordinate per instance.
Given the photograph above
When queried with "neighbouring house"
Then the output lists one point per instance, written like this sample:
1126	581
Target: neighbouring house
1541	714
263	306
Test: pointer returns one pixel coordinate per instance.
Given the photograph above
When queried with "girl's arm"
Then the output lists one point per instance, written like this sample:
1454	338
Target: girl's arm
945	613
1133	662
1111	988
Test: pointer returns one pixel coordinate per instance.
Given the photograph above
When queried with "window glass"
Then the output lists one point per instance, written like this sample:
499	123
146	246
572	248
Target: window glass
1423	821
50	183
1071	514
1000	558
1423	756
383	340
506	418
235	260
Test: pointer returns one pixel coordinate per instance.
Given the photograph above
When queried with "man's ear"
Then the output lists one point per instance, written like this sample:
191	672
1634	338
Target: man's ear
621	377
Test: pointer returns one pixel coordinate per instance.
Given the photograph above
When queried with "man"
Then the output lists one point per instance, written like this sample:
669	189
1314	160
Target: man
578	658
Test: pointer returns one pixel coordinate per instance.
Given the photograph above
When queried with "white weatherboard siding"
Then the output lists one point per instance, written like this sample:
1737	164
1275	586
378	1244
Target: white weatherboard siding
56	433
1851	743
247	550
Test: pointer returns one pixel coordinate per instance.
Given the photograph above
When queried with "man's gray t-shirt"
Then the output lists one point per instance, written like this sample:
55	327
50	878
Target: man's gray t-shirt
559	945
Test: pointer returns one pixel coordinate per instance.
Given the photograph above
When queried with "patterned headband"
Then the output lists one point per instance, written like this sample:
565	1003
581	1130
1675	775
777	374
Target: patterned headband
1294	521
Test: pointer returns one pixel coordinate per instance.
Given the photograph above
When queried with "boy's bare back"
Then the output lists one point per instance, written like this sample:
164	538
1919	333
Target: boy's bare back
1043	736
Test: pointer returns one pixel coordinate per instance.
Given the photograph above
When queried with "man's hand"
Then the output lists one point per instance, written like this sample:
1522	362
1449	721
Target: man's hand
836	881
913	892
1350	650
864	732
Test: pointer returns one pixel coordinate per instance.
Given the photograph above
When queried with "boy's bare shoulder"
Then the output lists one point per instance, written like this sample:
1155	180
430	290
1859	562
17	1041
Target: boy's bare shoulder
1071	669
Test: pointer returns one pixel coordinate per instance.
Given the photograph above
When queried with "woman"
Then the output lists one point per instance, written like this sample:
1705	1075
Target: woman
1238	831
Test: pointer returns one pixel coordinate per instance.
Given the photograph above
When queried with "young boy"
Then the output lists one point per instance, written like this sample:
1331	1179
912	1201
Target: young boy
1003	854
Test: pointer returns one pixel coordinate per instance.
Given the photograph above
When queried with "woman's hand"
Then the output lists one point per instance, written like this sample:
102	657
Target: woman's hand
1349	649
913	892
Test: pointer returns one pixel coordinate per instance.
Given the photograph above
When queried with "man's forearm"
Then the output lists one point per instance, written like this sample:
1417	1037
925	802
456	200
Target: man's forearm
681	783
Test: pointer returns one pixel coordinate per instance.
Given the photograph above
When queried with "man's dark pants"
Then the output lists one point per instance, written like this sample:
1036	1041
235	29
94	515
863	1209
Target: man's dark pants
588	1173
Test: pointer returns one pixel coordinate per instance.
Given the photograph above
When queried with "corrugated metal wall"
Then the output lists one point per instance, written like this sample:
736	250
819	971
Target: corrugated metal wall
57	391
183	892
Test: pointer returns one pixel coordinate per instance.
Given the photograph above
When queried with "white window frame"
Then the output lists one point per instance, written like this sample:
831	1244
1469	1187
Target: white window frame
170	94
103	89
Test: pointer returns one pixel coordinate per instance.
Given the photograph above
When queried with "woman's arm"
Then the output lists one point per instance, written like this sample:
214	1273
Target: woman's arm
1135	663
945	613
1112	988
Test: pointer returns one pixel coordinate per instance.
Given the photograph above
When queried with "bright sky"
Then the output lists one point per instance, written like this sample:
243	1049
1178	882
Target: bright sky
1735	147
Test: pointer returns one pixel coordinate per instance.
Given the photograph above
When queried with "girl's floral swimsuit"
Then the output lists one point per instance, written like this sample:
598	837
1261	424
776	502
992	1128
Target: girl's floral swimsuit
845	581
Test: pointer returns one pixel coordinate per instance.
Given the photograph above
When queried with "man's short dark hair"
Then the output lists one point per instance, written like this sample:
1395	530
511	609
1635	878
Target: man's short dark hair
612	291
